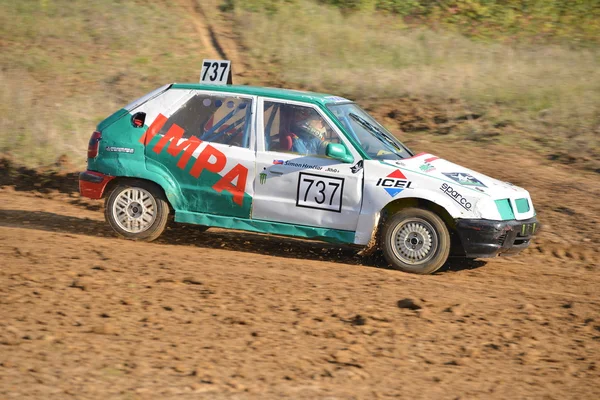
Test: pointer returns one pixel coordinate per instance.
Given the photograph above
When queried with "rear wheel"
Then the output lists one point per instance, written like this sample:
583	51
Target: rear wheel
137	211
416	240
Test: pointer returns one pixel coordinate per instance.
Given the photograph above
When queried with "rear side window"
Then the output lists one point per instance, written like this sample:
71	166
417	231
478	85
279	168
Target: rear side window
214	118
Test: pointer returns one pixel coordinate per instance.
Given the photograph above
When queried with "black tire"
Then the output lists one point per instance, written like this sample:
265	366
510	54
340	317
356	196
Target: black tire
150	194
431	237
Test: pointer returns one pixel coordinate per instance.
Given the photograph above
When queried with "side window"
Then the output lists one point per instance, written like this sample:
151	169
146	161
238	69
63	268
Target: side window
296	129
214	118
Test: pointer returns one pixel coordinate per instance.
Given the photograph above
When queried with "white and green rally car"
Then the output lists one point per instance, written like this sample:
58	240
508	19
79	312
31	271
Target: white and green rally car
225	156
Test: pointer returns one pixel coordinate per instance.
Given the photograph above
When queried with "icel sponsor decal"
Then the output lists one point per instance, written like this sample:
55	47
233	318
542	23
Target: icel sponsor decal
394	183
464	179
457	197
210	158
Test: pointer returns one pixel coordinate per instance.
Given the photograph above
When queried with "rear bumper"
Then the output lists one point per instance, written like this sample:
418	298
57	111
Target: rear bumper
92	184
482	238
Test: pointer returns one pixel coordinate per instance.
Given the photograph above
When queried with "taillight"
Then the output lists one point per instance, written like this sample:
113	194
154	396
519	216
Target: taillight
94	144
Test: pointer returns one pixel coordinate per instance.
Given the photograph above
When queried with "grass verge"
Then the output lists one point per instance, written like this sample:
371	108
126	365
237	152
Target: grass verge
543	97
66	65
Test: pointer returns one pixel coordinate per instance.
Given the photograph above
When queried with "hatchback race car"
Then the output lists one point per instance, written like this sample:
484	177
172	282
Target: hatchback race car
295	163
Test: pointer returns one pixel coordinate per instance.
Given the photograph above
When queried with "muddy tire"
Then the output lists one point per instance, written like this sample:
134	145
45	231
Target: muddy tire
137	210
415	240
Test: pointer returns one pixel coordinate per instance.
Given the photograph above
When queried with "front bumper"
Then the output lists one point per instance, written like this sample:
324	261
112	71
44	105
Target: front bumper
482	238
92	184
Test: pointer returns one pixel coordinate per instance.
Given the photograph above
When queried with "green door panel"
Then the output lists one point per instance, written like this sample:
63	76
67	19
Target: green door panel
198	193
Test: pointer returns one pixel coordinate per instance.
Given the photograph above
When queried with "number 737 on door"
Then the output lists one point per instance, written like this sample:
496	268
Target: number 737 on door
320	192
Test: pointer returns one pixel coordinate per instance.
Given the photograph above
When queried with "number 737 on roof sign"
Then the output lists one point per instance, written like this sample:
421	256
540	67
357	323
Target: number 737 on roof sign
216	72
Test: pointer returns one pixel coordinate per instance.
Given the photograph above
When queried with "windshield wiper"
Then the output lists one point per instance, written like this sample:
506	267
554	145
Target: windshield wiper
378	133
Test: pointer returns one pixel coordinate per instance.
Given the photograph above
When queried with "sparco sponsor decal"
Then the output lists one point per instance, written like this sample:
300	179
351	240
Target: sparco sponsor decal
457	197
394	183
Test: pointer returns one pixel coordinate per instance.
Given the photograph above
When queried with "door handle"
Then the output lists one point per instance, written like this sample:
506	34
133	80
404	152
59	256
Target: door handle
276	171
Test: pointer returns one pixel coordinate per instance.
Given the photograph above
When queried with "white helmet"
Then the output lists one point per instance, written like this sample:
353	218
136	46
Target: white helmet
308	128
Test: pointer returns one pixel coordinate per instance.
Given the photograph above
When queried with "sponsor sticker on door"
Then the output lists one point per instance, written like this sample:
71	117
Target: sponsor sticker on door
320	192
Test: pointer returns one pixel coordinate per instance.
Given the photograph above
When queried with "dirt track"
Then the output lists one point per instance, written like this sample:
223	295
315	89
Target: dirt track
225	314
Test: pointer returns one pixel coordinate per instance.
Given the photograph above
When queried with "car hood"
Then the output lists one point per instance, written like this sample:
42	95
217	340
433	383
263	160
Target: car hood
511	201
434	166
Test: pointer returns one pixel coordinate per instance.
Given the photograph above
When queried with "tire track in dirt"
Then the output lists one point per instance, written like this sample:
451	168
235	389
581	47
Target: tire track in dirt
225	314
216	36
257	326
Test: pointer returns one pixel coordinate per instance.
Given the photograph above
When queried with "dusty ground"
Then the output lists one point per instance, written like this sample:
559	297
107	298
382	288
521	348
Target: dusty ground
227	314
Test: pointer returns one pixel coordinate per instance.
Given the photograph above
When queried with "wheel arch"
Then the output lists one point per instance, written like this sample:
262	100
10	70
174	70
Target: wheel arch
128	179
417	202
441	211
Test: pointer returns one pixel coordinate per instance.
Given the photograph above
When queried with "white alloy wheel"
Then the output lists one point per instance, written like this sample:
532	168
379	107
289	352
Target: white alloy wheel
137	210
134	210
415	240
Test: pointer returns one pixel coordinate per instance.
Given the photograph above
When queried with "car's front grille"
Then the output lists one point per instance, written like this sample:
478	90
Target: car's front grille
526	230
501	239
519	242
524	234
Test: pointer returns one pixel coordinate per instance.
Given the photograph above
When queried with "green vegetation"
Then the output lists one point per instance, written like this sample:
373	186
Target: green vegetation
544	96
569	21
530	68
65	65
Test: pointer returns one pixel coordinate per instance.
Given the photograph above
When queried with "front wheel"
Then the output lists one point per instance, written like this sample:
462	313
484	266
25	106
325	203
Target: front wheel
416	240
137	211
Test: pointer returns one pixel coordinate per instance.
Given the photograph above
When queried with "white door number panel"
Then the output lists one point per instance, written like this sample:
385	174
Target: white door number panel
216	72
320	192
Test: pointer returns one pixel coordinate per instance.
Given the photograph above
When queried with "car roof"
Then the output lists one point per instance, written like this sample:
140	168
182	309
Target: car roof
284	94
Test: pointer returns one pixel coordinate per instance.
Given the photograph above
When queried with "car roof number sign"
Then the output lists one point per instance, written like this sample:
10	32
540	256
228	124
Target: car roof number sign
216	72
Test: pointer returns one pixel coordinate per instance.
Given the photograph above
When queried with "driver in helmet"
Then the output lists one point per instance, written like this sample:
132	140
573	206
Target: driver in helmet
308	132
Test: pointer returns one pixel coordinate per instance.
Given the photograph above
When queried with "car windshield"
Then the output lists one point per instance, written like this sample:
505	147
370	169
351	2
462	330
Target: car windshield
377	142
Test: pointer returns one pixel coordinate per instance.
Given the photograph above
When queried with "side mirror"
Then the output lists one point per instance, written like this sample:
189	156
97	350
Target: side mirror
339	152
